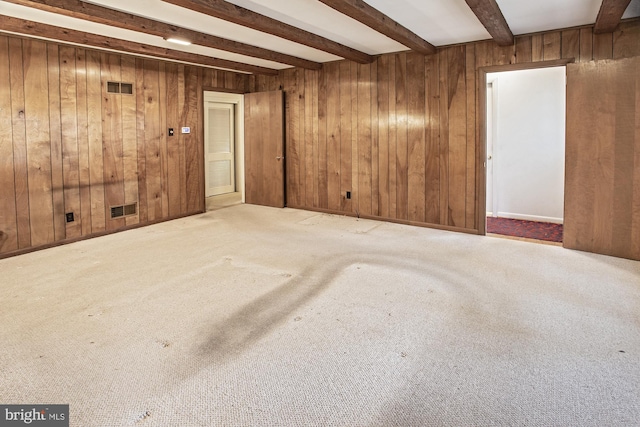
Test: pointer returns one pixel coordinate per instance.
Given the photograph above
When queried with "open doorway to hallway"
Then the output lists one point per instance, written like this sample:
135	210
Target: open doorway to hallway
525	124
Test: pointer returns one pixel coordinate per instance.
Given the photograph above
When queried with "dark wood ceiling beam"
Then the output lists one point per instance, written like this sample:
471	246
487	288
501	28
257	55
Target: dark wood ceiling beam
610	14
490	15
248	18
102	15
373	18
36	29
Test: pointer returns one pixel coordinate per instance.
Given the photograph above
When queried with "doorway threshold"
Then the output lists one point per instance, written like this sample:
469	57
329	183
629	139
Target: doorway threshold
223	200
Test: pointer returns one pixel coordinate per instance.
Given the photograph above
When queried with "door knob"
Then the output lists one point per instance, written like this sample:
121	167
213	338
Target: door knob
278	158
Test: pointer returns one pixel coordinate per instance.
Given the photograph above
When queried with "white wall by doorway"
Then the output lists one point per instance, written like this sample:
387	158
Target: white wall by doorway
526	143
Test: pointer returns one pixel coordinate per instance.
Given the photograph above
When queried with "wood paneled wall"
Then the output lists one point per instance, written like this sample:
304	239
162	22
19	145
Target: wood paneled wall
66	145
403	134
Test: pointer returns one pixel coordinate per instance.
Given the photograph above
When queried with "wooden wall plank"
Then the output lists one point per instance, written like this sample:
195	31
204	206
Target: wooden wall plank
18	124
8	220
586	44
84	179
625	40
457	137
143	204
346	127
324	135
432	142
55	135
472	178
552	48
537	48
402	177
112	140
302	141
602	46
375	142
94	142
444	137
292	135
316	137
571	44
523	49
416	137
38	142
69	126
364	140
383	136
393	139
333	136
310	136
129	138
152	135
351	205
174	184
194	147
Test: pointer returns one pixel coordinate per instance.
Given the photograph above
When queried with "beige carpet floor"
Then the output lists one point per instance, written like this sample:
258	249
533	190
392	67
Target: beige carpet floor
253	316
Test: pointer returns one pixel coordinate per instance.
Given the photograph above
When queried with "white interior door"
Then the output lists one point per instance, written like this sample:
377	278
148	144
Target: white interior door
219	122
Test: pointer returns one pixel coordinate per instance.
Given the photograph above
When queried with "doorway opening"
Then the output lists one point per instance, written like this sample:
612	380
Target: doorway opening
223	149
525	153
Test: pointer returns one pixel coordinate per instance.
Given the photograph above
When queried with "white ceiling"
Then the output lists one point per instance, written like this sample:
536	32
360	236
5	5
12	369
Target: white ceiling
440	22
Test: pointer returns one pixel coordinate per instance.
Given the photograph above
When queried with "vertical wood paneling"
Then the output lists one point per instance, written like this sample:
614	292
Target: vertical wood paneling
112	140
84	166
603	141
55	127
333	136
174	184
457	137
444	136
471	177
152	138
18	124
416	137
383	136
38	142
70	155
8	220
94	142
552	46
401	134
346	127
602	46
323	138
402	178
129	138
143	204
432	144
364	140
571	44
194	148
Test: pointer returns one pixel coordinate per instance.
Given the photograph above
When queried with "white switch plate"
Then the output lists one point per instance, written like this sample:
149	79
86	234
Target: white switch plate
186	130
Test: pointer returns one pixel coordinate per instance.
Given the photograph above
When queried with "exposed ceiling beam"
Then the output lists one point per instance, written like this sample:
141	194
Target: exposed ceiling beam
371	17
610	14
248	18
36	29
490	15
115	18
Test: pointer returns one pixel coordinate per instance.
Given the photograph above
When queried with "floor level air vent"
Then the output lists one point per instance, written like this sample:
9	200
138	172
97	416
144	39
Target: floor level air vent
125	210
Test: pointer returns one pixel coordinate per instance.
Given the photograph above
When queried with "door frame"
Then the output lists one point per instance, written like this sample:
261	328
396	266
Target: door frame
481	152
238	100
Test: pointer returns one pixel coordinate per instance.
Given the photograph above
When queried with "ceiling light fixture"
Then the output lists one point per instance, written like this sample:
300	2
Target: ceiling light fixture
178	41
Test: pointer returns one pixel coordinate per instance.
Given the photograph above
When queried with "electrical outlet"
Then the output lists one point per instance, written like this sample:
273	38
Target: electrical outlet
69	216
348	194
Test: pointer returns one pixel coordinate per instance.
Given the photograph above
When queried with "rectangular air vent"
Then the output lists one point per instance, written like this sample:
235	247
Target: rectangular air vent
119	87
125	210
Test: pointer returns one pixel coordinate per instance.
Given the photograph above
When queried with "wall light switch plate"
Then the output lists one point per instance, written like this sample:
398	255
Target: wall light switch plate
186	130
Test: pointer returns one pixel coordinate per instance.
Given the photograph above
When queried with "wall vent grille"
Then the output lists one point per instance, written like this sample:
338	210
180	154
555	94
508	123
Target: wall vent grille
124	210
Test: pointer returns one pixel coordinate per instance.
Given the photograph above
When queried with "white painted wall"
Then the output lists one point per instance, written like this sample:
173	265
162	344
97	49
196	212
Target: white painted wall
527	151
